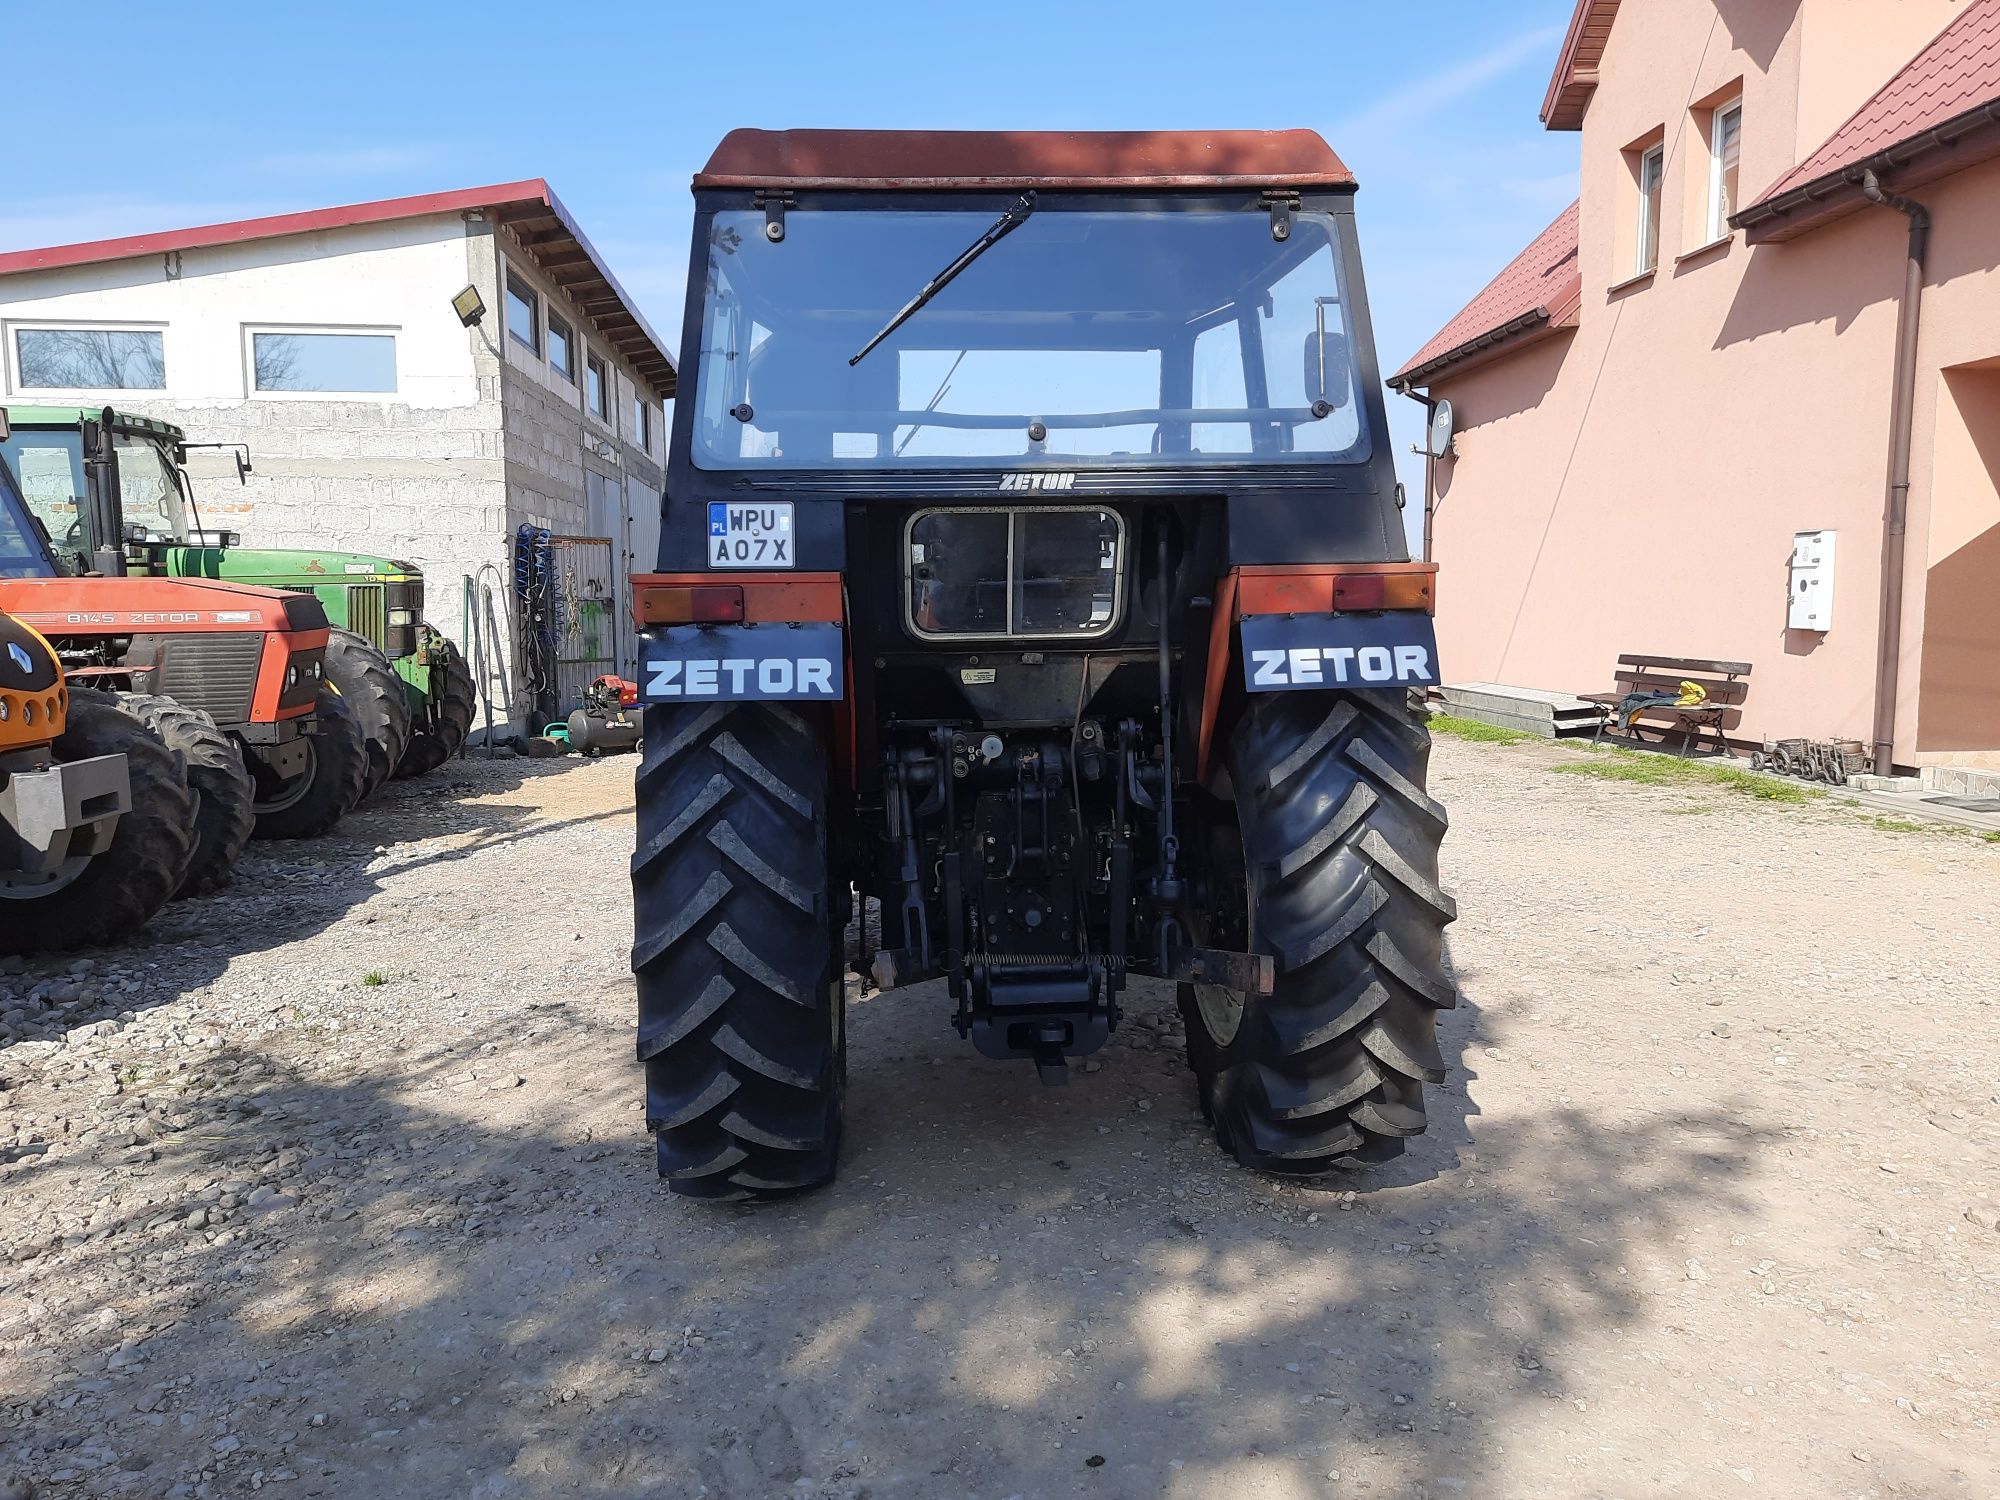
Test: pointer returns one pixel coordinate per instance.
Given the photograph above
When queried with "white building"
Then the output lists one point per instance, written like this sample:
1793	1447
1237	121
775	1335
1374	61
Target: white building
377	422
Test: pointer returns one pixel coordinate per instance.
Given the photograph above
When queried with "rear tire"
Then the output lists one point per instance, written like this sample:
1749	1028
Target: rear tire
439	731
224	793
115	892
327	790
741	994
363	677
1339	845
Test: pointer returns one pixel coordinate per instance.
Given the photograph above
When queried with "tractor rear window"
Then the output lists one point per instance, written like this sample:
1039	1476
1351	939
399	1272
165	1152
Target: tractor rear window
1081	337
1031	571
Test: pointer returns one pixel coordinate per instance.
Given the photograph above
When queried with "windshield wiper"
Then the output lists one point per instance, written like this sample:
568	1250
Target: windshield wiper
1005	225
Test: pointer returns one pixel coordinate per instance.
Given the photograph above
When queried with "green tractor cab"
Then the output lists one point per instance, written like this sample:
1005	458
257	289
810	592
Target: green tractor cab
410	684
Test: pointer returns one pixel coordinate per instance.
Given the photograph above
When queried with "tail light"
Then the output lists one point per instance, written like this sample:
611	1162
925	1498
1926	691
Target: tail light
1326	589
691	604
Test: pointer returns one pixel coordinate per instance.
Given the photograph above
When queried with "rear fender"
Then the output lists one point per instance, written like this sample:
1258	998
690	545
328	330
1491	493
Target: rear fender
719	622
1303	627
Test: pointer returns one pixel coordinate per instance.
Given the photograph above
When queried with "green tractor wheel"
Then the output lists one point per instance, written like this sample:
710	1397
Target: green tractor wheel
443	717
362	676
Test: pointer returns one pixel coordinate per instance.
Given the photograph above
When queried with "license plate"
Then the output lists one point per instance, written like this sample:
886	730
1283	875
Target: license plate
1294	653
751	536
742	663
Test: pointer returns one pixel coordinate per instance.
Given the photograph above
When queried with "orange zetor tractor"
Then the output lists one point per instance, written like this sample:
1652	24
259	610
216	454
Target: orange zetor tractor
229	675
1031	562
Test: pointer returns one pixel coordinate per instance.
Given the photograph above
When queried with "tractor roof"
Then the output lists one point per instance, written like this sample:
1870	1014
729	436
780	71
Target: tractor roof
71	416
1009	159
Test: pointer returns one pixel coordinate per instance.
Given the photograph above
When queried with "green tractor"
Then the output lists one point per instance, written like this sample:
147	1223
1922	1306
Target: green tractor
407	683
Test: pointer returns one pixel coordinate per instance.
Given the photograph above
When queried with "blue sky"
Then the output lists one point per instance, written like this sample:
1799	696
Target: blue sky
225	111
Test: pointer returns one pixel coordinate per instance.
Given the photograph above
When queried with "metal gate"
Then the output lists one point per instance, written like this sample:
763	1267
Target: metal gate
586	601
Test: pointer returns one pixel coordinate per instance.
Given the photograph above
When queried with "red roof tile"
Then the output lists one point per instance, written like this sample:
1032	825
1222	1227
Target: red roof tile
1541	288
1945	88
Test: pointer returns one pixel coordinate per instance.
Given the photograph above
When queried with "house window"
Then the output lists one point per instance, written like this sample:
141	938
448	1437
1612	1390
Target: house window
562	350
642	423
1725	151
597	387
345	362
1652	171
523	314
90	359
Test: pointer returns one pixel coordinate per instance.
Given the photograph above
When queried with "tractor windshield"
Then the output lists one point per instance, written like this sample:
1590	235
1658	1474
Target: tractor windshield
48	462
1087	337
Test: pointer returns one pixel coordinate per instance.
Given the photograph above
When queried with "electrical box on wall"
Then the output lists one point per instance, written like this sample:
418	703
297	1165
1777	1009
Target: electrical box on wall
1811	605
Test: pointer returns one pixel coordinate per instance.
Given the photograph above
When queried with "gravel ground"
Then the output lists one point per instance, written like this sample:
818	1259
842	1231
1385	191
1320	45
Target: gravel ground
335	1185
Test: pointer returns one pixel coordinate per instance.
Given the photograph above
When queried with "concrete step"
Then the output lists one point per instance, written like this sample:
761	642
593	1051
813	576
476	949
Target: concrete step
1533	710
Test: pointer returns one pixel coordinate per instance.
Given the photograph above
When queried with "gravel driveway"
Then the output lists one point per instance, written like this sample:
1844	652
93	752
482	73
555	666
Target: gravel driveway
335	1186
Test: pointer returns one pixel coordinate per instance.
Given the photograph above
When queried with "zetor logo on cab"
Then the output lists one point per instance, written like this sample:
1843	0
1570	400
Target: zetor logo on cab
1037	481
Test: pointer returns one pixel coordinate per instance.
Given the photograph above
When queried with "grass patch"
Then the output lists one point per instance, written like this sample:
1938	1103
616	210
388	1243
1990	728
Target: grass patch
1905	825
1648	769
374	979
1479	733
1990	835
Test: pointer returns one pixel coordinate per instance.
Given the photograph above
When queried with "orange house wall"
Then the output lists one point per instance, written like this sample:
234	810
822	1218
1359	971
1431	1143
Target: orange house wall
1634	484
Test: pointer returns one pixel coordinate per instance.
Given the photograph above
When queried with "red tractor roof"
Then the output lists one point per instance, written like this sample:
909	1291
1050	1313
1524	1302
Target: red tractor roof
1009	159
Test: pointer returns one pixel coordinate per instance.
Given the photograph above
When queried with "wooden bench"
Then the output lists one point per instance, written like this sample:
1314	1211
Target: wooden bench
1665	674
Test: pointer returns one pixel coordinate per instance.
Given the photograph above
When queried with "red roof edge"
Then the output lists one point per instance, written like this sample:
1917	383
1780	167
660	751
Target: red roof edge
1538	291
274	226
1937	114
1575	76
654	360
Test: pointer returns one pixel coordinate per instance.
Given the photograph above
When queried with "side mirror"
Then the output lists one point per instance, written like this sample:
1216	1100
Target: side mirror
1329	381
242	465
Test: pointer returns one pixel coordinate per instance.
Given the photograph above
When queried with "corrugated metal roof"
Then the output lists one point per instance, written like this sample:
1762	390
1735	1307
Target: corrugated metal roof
549	235
1946	97
1540	288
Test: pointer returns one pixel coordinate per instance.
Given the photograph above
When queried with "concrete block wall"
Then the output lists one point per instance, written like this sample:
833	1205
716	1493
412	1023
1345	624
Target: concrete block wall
424	486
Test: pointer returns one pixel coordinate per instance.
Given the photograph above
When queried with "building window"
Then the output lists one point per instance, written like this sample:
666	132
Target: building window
597	387
90	359
1652	171
343	362
1725	152
562	349
642	423
524	324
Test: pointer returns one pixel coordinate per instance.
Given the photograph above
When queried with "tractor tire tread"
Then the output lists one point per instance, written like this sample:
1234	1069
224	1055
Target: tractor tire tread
1341	842
122	888
368	682
734	950
225	795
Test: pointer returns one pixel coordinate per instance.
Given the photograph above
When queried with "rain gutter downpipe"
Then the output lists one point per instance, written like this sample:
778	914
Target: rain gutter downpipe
1902	421
1429	404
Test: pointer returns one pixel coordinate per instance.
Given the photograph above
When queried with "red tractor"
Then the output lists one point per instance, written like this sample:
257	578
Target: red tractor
231	676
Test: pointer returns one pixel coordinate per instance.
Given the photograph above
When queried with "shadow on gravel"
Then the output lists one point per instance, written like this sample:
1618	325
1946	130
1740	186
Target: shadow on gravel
1011	1291
286	890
